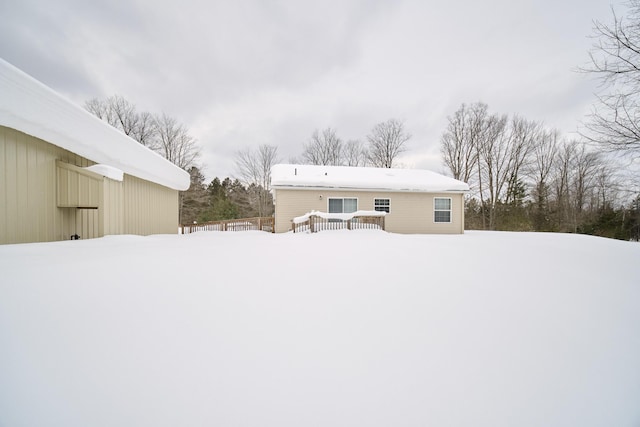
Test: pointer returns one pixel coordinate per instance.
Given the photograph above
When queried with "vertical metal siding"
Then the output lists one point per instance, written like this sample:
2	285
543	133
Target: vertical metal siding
28	197
77	187
149	208
28	177
113	207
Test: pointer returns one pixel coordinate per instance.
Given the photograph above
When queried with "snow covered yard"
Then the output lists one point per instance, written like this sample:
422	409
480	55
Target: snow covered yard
344	328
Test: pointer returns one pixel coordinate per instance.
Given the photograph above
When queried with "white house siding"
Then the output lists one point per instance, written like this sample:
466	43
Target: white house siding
410	212
29	209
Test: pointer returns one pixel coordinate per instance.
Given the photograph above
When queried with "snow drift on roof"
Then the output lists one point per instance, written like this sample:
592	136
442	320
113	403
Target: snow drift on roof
344	177
33	108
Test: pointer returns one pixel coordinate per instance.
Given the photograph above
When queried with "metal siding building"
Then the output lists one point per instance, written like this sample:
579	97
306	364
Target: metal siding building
46	194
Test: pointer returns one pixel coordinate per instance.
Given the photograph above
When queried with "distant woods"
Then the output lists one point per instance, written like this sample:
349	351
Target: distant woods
223	199
524	176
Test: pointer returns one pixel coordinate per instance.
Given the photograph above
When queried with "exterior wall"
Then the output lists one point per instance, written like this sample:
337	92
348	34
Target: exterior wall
136	206
28	198
29	209
149	208
410	213
113	207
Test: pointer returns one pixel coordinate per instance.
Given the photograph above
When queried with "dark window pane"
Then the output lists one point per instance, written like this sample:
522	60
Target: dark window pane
335	205
442	204
442	216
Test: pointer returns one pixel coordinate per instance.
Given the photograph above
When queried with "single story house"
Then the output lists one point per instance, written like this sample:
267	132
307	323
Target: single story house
416	201
66	174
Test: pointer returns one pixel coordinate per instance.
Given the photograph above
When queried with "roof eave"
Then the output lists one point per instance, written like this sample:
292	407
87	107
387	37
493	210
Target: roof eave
372	189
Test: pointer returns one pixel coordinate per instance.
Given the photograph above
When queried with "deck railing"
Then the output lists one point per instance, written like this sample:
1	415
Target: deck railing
243	224
320	221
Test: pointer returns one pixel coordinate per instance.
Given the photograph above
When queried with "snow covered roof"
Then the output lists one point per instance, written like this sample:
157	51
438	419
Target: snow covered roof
35	109
360	178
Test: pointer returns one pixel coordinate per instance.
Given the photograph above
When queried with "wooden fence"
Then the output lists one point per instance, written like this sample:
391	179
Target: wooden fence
244	224
316	223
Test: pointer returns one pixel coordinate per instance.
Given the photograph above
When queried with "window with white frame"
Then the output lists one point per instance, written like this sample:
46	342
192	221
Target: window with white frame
342	205
442	209
382	205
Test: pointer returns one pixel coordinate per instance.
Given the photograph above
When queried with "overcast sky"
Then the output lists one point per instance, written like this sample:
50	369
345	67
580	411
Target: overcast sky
243	73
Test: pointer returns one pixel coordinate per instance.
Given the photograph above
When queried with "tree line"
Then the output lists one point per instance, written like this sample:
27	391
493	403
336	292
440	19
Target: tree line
222	199
525	177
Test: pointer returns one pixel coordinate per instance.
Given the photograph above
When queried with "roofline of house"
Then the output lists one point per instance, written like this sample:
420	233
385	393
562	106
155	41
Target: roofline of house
371	190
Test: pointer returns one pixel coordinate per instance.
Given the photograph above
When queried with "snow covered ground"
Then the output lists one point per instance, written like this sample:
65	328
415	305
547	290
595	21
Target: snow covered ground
344	328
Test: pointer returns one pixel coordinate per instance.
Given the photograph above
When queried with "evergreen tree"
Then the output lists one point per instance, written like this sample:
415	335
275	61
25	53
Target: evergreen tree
194	200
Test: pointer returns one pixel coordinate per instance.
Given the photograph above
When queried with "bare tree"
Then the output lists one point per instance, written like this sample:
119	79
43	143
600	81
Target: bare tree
492	163
605	188
386	141
254	168
490	152
145	131
354	153
544	155
459	147
123	115
524	136
615	60
116	111
174	142
504	150
562	176
100	109
578	177
586	165
324	148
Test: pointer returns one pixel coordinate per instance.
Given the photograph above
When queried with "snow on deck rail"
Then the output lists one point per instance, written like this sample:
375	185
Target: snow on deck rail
316	221
342	216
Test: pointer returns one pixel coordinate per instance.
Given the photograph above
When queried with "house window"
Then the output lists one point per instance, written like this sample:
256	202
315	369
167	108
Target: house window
343	205
442	209
381	205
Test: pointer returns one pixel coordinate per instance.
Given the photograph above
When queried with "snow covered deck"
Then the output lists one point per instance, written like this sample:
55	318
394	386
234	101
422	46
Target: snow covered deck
317	221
